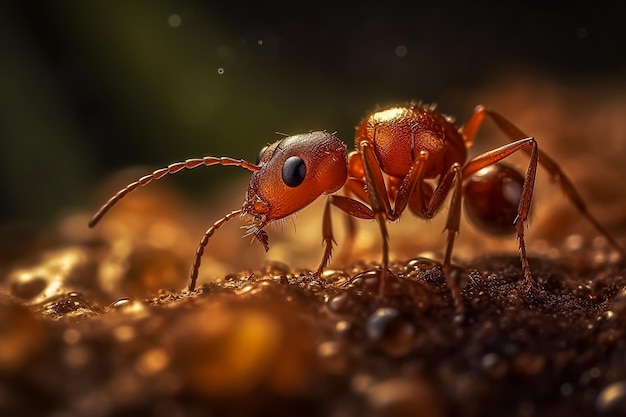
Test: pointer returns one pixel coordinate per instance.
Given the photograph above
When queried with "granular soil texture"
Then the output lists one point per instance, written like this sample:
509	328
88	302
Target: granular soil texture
280	342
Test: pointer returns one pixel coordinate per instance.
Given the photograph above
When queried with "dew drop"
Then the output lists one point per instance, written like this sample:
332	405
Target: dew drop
174	20
420	263
28	286
76	356
403	396
344	327
493	365
529	364
401	51
332	357
73	304
120	303
334	276
152	361
128	305
337	303
567	389
606	315
574	242
366	280
71	336
390	331
612	398
124	333
423	268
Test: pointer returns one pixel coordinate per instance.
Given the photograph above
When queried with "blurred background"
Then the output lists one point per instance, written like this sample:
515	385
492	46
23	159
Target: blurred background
88	88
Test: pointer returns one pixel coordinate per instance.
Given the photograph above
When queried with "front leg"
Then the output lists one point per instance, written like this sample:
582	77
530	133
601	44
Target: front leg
352	208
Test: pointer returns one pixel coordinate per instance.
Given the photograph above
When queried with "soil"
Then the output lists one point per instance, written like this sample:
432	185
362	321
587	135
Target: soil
278	341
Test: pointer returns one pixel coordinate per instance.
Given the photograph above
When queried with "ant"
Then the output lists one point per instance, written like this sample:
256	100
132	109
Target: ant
406	157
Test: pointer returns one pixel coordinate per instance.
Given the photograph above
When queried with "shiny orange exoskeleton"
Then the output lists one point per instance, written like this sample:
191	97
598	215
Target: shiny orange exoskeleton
405	157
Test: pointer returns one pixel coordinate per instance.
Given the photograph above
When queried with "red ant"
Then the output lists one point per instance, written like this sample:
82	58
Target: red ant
409	156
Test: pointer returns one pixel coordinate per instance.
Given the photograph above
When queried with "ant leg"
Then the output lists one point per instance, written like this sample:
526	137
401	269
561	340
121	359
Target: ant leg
453	225
352	208
428	209
203	242
376	189
513	133
357	209
353	188
327	238
411	179
379	200
496	155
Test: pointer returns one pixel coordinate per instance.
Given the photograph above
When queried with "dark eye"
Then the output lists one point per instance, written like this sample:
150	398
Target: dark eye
260	155
294	171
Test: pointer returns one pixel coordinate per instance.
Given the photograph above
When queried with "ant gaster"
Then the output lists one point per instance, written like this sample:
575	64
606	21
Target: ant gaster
407	156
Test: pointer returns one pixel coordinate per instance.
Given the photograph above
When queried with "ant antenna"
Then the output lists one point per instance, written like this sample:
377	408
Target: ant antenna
170	169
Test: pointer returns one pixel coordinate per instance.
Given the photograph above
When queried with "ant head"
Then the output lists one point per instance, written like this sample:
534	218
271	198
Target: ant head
294	172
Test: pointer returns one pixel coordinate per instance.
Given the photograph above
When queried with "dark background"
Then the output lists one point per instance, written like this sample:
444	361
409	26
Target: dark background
90	87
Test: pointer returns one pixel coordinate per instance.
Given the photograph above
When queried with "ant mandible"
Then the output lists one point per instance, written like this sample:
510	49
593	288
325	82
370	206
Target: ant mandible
406	156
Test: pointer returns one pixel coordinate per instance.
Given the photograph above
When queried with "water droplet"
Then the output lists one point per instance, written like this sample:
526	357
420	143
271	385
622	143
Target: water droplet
404	396
128	305
332	357
494	366
567	389
124	333
607	315
71	336
73	304
337	303
344	327
57	272
120	303
366	280
335	276
595	372
152	361
390	331
612	398
401	51
529	364
314	285
574	242
426	269
28	286
420	263
361	382
76	356
174	20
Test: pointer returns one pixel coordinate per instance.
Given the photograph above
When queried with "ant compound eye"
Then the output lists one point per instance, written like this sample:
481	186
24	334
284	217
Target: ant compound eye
294	171
260	155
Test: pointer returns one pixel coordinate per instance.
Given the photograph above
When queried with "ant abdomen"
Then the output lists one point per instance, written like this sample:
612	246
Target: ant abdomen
492	198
